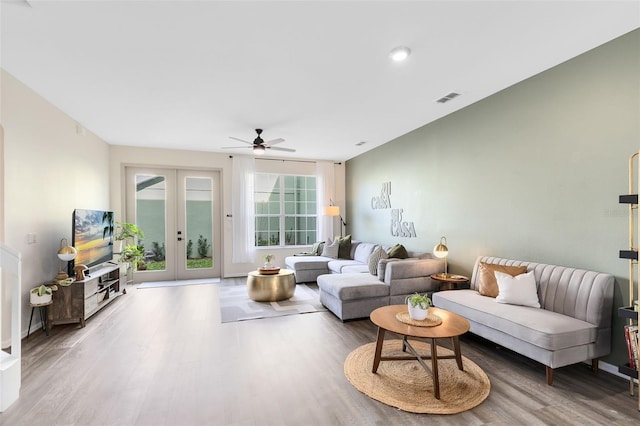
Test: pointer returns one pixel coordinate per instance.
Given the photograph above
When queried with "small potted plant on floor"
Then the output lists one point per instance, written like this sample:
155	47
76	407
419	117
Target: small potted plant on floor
418	306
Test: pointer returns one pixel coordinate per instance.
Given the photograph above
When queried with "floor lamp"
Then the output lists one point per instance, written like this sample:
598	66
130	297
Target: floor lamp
333	210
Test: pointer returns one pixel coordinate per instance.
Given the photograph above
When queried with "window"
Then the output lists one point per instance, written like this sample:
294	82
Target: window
286	210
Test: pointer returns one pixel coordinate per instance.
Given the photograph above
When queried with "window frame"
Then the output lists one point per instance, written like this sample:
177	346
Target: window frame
283	217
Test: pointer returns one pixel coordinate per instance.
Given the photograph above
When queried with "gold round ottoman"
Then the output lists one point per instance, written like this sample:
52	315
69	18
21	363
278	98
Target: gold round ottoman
271	288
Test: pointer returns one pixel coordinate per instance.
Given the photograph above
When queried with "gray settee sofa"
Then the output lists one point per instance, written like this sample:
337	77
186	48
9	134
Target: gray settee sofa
348	289
573	324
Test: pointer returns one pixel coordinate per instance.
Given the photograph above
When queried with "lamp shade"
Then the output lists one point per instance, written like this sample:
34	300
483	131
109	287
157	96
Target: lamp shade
441	250
258	149
332	211
66	253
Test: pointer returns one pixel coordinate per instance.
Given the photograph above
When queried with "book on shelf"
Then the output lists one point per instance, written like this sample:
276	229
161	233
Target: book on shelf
627	337
633	346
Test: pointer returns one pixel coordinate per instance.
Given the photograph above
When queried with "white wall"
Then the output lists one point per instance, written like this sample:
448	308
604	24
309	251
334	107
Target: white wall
49	170
123	156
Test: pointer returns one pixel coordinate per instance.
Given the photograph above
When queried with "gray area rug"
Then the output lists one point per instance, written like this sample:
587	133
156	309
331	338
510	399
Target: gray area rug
235	304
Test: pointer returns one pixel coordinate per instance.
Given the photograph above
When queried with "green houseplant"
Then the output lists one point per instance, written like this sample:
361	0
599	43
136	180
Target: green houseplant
42	294
418	305
126	232
132	254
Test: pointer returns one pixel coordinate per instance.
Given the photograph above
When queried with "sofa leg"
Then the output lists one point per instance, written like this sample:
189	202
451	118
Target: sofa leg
594	365
549	376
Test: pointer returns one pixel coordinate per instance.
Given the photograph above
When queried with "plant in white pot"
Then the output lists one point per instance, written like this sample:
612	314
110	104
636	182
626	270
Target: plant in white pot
42	294
418	305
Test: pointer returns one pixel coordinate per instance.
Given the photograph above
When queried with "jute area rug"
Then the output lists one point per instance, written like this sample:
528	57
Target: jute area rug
407	386
235	304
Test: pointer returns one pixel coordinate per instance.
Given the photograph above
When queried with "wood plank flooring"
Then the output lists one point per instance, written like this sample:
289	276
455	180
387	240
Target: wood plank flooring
160	356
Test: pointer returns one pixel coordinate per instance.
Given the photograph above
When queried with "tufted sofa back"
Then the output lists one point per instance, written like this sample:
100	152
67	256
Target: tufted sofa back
581	294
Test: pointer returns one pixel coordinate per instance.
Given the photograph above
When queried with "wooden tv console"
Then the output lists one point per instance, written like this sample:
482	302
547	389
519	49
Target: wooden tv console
80	300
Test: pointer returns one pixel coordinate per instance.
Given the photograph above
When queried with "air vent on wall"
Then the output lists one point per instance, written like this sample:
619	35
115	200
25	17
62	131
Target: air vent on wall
447	97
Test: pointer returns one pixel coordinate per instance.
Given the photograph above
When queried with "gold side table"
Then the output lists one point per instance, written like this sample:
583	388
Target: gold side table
271	288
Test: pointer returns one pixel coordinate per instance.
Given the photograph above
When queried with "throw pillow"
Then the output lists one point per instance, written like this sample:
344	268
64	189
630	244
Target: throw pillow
518	290
331	250
345	247
317	247
398	251
375	258
487	285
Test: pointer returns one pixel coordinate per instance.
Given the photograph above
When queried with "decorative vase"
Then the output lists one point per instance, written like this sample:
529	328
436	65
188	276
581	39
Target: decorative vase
417	313
267	265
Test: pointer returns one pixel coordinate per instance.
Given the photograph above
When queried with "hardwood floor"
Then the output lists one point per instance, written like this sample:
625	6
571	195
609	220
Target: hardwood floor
160	356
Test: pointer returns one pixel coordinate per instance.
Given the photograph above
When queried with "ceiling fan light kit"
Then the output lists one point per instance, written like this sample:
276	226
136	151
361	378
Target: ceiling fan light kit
259	146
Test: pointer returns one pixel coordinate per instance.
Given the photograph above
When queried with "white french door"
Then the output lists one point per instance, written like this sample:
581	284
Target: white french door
179	213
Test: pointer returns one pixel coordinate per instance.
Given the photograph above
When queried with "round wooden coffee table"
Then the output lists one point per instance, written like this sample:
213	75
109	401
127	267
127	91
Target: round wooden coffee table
272	287
453	326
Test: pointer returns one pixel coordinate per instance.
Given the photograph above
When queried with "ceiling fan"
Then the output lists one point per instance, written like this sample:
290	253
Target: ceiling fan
259	146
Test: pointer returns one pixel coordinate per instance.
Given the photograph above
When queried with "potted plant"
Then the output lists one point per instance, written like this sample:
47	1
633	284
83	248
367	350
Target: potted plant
267	261
132	254
42	294
418	306
126	232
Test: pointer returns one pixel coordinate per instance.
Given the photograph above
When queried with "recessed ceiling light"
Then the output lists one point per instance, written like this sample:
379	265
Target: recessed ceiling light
361	143
400	53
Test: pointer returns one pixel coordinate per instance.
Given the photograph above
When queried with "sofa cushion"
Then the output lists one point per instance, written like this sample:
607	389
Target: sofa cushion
336	266
487	284
518	290
540	327
359	269
398	251
363	251
305	263
352	286
375	258
317	247
344	251
331	250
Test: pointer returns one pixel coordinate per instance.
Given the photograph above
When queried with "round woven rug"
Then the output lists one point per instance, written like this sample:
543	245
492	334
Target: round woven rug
407	386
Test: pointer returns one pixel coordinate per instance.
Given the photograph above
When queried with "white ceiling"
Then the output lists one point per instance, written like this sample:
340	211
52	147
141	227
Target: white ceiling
189	74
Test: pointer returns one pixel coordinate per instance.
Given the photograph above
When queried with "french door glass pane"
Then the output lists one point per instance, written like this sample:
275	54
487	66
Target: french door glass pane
151	218
199	196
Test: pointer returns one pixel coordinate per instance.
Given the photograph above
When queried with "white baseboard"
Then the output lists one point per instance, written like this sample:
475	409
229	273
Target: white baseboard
611	369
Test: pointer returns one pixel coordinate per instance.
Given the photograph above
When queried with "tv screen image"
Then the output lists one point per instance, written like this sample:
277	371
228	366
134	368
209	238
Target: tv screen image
93	236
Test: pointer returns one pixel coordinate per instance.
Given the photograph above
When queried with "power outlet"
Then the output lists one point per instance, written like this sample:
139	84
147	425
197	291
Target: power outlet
31	238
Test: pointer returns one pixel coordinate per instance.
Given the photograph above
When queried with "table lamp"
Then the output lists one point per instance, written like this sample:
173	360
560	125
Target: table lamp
66	254
441	251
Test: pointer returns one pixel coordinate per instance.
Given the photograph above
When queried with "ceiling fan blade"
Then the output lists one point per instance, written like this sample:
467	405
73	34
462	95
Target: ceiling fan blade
275	148
235	147
240	140
275	141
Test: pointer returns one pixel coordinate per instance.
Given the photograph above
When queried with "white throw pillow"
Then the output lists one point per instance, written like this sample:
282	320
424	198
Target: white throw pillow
331	250
518	290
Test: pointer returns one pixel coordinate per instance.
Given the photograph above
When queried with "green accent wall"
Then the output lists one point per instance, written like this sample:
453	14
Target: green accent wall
531	173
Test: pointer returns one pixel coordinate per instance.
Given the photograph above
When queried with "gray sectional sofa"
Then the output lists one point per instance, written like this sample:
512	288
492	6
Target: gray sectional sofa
350	291
573	324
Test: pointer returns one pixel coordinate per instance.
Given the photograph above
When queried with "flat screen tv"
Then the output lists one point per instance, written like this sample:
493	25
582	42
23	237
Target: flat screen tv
92	237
